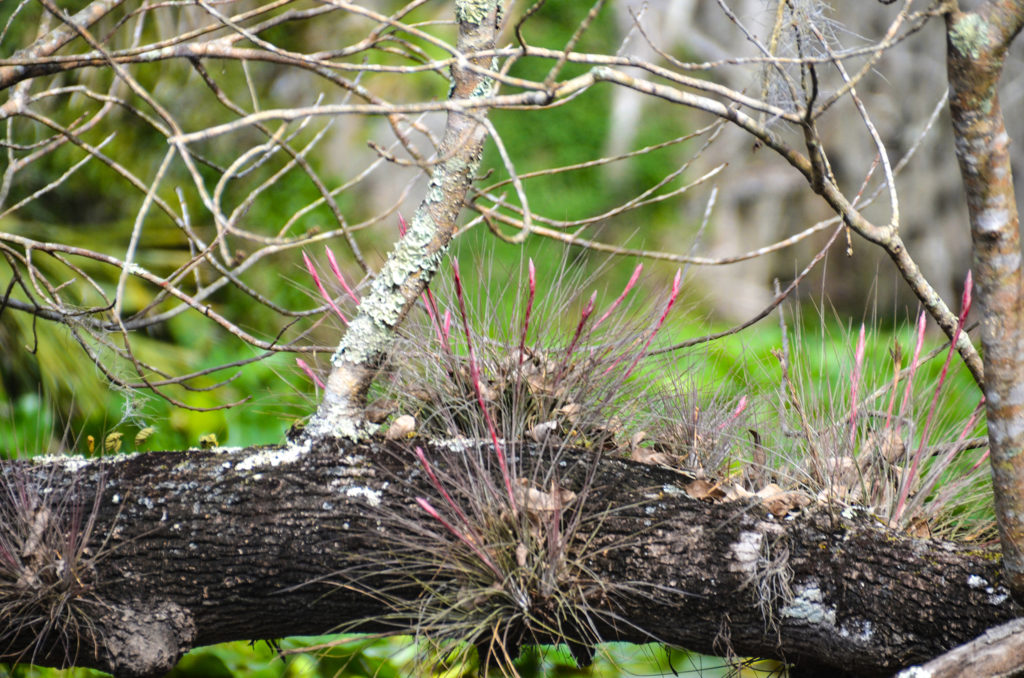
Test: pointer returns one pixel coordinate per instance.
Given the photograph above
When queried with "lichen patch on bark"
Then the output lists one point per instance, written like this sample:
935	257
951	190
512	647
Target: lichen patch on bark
807	605
371	495
969	35
745	551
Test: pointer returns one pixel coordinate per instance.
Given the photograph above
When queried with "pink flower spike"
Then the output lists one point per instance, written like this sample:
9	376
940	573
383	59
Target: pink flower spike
309	372
742	405
965	300
967	428
677	284
402	226
432	512
320	286
981	461
447	325
474	372
858	365
908	388
439	486
432	314
339	276
625	291
532	284
587	310
909	478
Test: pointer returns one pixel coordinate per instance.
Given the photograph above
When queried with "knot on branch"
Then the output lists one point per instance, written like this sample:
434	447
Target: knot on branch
144	640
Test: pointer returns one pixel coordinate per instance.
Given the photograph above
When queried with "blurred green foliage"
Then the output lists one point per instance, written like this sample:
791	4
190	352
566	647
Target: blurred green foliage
358	657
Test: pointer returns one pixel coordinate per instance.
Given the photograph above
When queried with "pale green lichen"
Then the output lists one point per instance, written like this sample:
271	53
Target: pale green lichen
969	35
485	88
371	332
473	11
808	606
334	419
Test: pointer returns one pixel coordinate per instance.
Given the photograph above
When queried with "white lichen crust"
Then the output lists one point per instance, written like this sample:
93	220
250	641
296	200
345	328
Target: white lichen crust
473	11
274	456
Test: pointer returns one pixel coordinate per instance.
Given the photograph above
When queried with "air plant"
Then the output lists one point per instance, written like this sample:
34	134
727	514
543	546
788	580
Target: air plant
884	446
500	550
498	546
47	564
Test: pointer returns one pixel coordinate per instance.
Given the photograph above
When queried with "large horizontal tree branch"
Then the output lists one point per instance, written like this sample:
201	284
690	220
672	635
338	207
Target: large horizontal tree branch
201	546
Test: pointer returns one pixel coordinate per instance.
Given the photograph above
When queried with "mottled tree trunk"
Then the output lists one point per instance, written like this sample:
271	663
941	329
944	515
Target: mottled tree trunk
977	44
203	546
417	256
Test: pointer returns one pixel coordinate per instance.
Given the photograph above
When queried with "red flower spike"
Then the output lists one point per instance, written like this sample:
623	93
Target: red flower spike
402	226
677	284
914	364
532	283
442	332
742	405
615	304
965	300
309	372
432	512
320	286
339	276
439	486
474	372
587	310
858	365
965	304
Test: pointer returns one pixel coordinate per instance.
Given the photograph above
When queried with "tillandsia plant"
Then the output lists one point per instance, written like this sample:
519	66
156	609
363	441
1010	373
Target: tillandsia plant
885	437
47	563
563	368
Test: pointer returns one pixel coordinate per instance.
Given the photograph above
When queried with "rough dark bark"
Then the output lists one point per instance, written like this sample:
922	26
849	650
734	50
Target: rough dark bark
205	546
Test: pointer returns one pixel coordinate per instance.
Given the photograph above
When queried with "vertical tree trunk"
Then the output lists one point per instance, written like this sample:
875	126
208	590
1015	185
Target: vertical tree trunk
977	44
